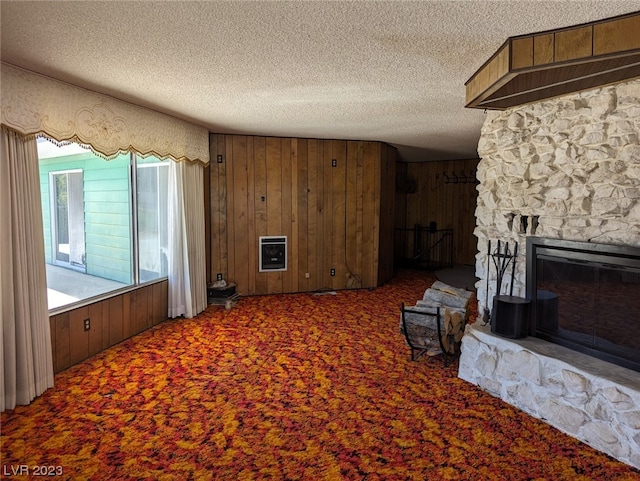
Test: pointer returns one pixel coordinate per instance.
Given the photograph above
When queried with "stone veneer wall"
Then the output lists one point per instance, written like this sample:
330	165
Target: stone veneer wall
565	168
568	168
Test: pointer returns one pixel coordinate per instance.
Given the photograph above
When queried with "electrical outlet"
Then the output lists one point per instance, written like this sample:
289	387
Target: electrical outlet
219	276
219	158
87	324
334	163
333	272
306	275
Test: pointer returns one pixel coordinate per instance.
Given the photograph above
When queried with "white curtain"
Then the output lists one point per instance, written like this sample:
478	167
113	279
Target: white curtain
187	263
25	337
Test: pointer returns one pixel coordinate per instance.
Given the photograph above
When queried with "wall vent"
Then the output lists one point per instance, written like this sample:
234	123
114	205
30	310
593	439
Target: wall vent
273	253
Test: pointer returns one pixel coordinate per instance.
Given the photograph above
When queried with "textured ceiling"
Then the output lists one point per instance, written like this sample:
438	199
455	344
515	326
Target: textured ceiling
391	71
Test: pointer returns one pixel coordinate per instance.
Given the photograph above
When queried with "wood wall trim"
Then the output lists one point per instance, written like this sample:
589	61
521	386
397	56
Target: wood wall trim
548	64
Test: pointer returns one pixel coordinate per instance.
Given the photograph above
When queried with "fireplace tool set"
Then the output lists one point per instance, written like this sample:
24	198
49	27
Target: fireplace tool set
502	258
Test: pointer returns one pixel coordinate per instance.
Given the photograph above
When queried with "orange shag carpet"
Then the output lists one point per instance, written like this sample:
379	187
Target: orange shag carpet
287	387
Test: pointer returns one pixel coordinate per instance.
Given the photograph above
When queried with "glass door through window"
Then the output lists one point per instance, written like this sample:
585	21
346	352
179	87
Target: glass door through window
68	218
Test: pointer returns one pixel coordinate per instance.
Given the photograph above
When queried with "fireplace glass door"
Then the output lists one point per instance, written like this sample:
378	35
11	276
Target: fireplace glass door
595	306
587	301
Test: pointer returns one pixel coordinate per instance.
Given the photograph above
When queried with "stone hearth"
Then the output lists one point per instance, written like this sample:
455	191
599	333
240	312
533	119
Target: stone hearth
592	400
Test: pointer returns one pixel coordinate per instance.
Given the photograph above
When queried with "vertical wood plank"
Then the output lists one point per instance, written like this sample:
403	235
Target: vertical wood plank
369	215
339	188
140	309
78	337
207	216
351	220
328	261
106	323
286	227
62	350
260	203
54	345
294	247
230	208
163	311
219	264
301	253
127	328
96	331
239	195
359	224
274	202
377	209
252	239
52	334
116	320
387	212
313	221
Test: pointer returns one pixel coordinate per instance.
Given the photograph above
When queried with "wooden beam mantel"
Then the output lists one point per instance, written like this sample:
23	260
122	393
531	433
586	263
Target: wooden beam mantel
543	65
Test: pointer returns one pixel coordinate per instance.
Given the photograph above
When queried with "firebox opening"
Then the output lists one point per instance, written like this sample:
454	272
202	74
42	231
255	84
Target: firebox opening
587	297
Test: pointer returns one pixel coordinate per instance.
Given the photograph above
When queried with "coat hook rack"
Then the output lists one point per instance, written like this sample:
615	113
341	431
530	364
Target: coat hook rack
459	179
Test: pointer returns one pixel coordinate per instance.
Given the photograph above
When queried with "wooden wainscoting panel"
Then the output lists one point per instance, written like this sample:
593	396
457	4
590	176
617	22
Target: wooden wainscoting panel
62	352
116	320
52	330
96	332
140	317
160	297
78	337
105	308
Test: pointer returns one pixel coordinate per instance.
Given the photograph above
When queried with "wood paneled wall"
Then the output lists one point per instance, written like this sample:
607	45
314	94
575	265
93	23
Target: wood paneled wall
335	217
423	196
111	321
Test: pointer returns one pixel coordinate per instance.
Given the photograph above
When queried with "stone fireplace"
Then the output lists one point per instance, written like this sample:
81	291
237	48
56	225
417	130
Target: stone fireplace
564	170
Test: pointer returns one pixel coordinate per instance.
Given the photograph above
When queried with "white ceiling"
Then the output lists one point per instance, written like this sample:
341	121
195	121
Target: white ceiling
390	71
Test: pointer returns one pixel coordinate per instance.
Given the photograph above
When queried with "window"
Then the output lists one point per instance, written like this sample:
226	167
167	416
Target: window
152	180
105	222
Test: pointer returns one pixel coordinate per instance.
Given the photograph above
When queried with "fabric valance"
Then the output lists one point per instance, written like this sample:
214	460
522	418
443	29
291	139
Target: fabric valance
33	104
